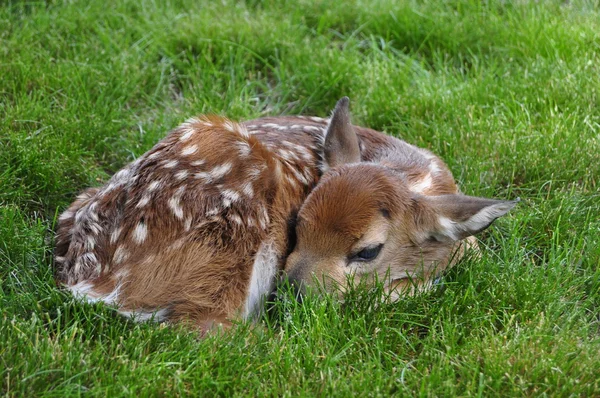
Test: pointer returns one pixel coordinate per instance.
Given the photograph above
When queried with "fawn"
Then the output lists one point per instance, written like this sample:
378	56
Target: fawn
200	228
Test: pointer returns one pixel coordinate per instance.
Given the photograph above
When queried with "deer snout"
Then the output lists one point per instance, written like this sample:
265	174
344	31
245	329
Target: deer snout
295	278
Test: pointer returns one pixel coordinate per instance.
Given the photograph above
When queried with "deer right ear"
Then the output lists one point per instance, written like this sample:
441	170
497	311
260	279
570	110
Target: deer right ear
341	142
456	217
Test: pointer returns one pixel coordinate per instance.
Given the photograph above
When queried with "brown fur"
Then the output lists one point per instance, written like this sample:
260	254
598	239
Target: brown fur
197	228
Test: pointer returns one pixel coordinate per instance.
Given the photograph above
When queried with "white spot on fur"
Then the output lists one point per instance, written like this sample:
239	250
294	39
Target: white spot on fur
213	212
262	279
422	185
60	259
181	174
187	224
170	164
308	129
96	229
236	219
90	243
154	155
216	173
198	162
175	206
263	218
203	176
291	181
243	149
231	195
434	167
178	244
304	153
270	125
122	174
66	215
114	236
84	291
299	176
247	189
241	129
287	155
79	215
89	260
143	201
228	126
121	254
317	119
188	150
187	134
254	172
140	232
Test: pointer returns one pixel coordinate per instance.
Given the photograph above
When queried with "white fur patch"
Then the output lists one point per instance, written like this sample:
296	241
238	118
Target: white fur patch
188	150
213	212
230	195
153	186
243	149
85	291
170	164
90	243
140	233
175	206
120	255
299	176
114	236
216	173
66	215
186	135
434	167
422	185
122	174
228	126
181	174
236	219
143	201
187	224
247	189
262	279
308	129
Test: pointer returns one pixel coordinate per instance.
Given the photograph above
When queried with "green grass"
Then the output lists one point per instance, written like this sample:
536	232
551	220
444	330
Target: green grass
508	94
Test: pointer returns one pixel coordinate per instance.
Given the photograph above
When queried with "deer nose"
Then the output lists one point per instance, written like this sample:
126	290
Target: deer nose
295	280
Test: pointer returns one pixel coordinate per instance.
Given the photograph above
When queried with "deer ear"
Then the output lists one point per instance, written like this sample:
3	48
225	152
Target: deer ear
341	142
456	217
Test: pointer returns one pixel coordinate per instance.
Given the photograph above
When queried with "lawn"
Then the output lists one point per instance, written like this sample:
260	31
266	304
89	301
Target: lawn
508	94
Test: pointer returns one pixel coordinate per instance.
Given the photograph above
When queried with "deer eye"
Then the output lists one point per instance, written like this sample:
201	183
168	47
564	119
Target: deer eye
367	254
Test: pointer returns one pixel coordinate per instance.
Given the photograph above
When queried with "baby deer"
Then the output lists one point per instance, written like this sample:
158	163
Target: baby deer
199	228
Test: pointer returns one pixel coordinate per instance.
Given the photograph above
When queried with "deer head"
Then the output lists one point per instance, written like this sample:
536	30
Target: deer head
362	223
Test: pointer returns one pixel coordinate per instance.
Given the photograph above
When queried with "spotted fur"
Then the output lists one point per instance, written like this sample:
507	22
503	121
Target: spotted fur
198	228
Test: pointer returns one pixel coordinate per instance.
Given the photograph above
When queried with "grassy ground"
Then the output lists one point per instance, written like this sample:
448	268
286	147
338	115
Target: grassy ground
508	94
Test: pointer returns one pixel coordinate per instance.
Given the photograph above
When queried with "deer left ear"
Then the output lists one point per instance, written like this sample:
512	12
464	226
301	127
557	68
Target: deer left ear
341	142
456	217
